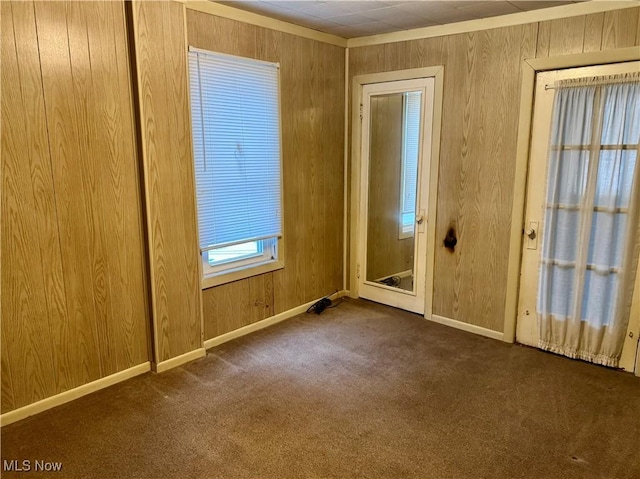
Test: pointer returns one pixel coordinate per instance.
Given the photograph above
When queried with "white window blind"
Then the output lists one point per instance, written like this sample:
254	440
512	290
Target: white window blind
410	153
236	142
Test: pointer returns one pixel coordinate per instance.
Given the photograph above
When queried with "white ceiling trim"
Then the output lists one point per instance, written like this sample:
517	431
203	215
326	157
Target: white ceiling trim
261	21
520	18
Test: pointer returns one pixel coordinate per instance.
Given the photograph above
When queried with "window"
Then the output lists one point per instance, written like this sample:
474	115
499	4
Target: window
410	152
235	112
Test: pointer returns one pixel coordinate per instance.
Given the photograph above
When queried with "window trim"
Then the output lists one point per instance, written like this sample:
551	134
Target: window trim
246	271
267	254
239	272
402	234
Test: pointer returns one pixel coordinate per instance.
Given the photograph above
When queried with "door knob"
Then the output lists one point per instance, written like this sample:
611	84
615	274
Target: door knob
531	233
419	219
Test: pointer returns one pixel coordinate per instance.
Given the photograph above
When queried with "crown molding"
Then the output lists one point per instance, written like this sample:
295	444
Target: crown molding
251	18
520	18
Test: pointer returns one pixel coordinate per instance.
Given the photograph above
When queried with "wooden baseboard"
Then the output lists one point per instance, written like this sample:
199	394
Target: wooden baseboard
179	360
470	328
75	393
210	343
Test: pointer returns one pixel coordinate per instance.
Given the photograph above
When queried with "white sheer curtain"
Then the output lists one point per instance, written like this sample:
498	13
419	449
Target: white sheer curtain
588	243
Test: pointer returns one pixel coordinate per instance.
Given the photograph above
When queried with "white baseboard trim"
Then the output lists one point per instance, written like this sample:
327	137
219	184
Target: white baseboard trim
470	328
179	360
237	333
75	393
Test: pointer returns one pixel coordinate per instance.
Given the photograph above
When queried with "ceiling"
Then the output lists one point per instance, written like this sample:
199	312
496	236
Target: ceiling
350	19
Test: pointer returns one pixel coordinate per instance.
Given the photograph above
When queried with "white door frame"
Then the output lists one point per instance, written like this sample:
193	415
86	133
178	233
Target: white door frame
529	70
359	81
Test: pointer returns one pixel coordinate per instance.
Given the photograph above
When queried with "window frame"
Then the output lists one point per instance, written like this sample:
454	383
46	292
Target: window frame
402	226
269	260
272	258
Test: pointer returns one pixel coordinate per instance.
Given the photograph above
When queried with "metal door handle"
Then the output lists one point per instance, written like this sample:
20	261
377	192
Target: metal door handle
531	233
419	219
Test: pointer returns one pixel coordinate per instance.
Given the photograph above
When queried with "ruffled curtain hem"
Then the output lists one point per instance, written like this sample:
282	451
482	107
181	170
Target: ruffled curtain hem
576	354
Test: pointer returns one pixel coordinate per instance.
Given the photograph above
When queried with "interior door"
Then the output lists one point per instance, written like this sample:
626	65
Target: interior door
397	121
526	326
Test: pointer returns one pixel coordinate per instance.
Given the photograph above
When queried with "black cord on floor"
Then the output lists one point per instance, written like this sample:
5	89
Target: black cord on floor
337	303
322	304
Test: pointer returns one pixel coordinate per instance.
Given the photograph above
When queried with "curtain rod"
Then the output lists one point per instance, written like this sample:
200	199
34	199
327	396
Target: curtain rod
632	79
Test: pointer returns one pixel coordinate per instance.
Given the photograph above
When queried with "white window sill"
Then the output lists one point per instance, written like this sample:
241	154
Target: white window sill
241	273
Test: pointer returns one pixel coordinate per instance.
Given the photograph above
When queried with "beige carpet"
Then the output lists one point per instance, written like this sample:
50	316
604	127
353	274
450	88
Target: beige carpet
361	391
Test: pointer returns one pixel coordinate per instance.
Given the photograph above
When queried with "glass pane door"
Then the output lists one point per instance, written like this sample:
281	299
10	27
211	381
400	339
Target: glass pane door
394	150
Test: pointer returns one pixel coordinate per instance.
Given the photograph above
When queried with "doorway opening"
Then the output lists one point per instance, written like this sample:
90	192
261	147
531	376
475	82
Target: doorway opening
395	150
580	250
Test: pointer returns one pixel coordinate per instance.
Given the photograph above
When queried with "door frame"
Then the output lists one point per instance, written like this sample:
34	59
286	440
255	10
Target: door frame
358	82
527	90
409	300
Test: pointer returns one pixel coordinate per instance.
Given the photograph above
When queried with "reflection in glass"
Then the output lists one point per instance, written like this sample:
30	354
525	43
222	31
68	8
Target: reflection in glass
394	150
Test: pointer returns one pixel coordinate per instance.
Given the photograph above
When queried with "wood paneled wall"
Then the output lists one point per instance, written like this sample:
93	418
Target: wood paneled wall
164	112
478	142
74	291
312	107
386	254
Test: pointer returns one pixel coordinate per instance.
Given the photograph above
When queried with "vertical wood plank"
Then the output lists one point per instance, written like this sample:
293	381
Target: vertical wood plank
166	136
593	32
458	105
620	28
307	178
187	328
7	391
71	197
44	191
395	56
92	207
544	37
65	128
25	319
234	305
333	160
112	131
566	36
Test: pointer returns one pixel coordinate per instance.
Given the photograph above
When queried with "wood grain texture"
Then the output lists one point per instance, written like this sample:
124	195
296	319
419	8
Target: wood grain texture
620	28
312	122
476	174
234	305
593	32
386	254
26	353
481	88
161	57
478	141
73	268
543	39
566	35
